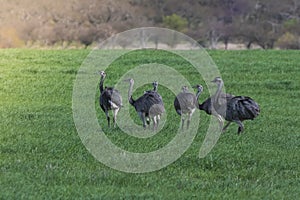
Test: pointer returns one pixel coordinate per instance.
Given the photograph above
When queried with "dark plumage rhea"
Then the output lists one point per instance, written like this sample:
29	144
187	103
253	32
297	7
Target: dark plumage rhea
241	108
150	105
231	108
110	99
185	104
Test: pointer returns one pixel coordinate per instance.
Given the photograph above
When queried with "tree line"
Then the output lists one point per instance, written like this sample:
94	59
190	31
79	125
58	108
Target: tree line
268	24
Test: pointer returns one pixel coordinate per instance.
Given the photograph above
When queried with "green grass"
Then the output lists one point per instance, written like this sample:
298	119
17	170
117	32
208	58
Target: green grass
42	156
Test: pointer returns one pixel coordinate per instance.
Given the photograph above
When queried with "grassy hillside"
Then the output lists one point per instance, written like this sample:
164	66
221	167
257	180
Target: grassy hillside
42	155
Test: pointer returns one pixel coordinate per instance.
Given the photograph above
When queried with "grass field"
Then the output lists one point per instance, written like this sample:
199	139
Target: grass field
42	156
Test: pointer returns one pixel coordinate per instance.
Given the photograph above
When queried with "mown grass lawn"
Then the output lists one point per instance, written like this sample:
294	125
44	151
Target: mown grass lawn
42	156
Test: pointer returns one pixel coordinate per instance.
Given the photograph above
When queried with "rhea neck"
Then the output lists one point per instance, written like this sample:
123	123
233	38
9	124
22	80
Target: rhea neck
198	94
131	83
199	91
101	83
219	91
155	86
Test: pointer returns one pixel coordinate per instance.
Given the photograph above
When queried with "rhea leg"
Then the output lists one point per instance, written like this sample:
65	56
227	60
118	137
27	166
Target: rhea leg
158	119
241	126
190	117
154	123
107	117
148	121
182	122
143	118
115	112
188	120
221	120
225	127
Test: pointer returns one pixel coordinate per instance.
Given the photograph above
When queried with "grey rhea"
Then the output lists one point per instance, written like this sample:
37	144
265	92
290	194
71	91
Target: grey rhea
110	99
149	105
185	104
229	107
154	92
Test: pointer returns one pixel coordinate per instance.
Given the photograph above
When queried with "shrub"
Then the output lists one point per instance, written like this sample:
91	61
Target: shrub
288	41
175	22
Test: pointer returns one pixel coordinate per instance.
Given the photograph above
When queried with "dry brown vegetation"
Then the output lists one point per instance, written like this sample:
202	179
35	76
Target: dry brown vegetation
77	23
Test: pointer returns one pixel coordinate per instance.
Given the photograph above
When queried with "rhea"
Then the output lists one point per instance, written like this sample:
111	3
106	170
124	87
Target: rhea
149	105
229	107
185	104
110	99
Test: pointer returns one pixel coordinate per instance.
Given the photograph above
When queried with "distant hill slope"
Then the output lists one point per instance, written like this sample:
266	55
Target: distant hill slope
265	23
51	21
